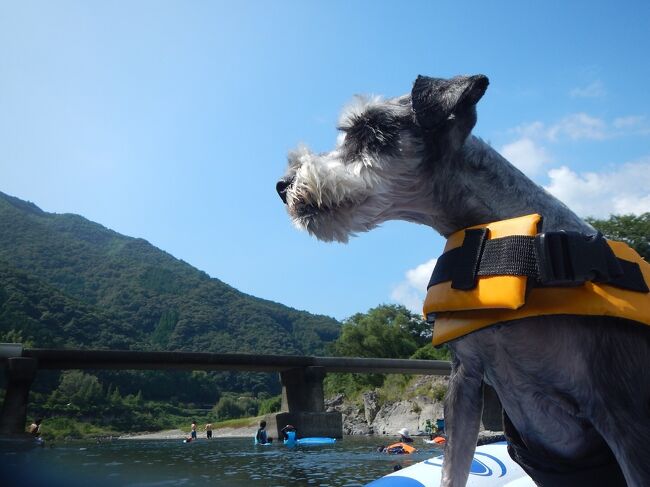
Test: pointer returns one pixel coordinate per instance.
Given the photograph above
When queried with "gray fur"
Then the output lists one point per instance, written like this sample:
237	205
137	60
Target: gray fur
568	384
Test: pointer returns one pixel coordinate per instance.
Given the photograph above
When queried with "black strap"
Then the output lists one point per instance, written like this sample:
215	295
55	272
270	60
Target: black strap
464	274
550	259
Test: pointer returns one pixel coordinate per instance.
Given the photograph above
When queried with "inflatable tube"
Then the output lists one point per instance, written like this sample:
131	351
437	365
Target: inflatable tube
491	467
316	440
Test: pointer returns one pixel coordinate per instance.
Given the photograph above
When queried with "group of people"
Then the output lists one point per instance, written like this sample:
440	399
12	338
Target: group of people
261	437
288	434
207	428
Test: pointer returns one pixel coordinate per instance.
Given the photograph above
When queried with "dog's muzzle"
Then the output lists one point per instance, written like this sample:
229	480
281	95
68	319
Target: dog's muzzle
282	186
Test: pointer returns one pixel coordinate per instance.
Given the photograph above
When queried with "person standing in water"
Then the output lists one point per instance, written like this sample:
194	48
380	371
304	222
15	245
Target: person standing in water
261	436
208	430
193	428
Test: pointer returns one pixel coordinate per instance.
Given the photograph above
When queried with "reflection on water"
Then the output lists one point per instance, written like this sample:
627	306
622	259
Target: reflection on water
231	462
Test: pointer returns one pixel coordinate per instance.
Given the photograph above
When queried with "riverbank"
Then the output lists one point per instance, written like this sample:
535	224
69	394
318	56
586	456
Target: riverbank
226	432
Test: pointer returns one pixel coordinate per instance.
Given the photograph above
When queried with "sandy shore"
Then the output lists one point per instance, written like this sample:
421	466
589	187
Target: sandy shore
246	431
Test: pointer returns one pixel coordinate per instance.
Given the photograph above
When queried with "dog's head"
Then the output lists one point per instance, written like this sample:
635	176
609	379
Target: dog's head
384	160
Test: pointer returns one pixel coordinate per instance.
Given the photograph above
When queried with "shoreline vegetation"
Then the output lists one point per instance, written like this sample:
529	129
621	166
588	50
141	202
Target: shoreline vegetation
68	429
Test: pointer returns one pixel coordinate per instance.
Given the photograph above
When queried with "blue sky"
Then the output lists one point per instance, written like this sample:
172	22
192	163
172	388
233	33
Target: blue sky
171	121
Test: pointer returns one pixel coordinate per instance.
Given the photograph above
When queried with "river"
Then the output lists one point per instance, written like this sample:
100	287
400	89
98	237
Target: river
230	462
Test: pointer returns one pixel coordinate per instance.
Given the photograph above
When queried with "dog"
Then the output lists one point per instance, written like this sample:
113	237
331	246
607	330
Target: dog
574	389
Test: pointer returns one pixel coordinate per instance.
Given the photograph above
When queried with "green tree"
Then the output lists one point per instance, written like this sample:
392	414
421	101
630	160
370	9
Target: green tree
164	328
388	331
82	390
270	405
228	408
631	229
429	352
113	396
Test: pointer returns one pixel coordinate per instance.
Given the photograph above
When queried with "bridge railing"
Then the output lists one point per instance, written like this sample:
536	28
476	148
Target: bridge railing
129	359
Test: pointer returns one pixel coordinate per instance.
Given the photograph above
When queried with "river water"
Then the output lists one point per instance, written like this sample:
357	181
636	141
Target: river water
230	462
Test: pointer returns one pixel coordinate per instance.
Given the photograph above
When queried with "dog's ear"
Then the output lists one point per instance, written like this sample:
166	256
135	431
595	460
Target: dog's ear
435	100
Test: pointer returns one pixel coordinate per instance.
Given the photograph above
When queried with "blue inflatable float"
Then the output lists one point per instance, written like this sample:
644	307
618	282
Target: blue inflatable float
316	440
309	441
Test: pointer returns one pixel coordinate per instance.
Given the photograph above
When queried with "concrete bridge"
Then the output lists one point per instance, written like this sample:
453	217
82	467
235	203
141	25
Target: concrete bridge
301	378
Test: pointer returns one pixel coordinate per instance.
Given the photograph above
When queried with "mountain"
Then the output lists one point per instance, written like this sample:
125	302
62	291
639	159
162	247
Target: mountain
37	314
68	282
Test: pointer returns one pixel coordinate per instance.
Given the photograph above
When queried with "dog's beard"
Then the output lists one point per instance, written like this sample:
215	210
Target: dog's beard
334	223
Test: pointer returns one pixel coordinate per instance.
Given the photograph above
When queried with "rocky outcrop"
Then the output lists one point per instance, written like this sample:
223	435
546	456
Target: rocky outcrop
371	405
411	414
371	415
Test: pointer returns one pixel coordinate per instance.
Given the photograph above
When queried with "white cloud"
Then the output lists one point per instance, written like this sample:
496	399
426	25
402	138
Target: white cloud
632	125
592	90
625	190
530	154
411	291
526	155
578	126
582	126
531	130
629	121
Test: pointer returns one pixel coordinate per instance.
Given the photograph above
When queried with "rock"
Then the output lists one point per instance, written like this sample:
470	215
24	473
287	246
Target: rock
354	420
370	405
393	416
333	402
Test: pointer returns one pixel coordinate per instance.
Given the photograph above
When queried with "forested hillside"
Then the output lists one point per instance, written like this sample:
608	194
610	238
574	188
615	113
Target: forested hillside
68	282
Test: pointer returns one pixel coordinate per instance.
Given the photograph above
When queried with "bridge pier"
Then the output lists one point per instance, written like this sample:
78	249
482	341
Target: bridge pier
20	374
303	405
302	389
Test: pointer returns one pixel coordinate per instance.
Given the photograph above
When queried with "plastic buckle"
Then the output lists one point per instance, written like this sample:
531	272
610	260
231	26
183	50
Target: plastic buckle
567	258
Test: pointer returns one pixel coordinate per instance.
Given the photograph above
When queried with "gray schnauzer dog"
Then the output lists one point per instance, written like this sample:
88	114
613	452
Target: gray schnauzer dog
574	389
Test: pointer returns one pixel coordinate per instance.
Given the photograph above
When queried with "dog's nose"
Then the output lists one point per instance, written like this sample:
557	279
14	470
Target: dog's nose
282	186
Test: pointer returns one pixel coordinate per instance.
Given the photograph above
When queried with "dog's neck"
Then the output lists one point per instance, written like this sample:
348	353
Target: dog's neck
485	187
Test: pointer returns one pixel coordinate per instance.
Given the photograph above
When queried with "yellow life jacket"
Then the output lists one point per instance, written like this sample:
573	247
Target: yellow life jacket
495	298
